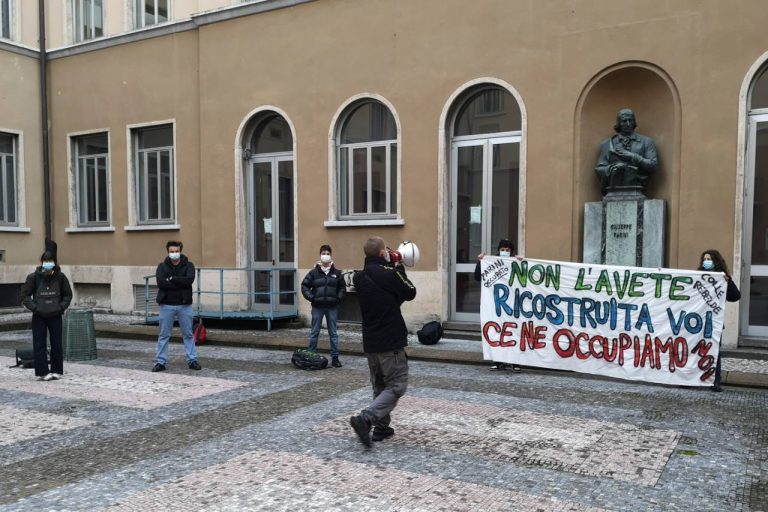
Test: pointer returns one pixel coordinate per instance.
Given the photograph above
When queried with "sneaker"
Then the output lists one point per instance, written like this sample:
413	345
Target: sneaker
194	365
41	378
381	433
717	389
516	368
499	366
49	377
335	362
55	376
362	429
158	367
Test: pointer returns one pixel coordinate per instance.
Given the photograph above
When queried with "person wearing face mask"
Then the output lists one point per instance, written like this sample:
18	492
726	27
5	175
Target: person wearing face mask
175	276
506	249
46	292
324	287
712	261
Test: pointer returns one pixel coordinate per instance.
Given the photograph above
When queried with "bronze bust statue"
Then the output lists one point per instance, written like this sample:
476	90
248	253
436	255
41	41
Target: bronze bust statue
626	159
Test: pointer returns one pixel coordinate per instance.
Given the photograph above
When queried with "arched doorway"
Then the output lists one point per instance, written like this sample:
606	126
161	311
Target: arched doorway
485	138
269	185
754	297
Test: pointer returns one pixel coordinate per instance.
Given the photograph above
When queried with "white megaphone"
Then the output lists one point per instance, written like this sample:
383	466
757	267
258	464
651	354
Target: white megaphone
409	253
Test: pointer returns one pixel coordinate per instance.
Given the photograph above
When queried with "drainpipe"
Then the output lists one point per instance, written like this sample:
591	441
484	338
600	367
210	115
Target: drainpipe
44	110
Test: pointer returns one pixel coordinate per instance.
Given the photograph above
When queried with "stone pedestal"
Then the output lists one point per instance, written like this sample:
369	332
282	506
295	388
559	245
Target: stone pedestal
626	230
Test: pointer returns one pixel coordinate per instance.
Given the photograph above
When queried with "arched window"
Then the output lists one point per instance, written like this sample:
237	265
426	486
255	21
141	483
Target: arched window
367	161
271	135
489	110
760	91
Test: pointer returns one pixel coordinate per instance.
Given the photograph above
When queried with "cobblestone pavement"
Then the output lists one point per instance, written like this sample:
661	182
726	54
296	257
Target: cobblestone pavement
250	432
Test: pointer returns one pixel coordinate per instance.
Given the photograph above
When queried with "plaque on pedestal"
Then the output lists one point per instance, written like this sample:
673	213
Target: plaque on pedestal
626	231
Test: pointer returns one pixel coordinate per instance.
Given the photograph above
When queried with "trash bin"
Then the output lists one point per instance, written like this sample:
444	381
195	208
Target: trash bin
79	335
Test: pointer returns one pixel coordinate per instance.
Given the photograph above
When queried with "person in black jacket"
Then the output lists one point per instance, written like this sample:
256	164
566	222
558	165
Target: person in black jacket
381	288
506	249
47	294
175	276
324	287
713	261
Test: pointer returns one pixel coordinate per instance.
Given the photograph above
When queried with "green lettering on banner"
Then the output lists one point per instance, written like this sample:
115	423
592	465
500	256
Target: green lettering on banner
621	285
580	282
674	287
519	271
659	278
603	282
537	274
635	283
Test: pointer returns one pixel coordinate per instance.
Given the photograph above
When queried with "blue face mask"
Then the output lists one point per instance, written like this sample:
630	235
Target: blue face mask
708	264
48	265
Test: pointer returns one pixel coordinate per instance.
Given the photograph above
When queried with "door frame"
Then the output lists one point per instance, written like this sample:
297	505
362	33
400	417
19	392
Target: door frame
487	141
274	160
755	117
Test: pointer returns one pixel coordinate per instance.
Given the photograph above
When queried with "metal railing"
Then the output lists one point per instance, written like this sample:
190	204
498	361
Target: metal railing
224	287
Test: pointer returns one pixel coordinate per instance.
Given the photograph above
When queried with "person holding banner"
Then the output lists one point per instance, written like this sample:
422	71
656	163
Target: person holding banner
712	260
506	249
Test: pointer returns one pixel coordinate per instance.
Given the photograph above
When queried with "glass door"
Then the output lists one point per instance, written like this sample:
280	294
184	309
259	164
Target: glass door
754	293
484	209
270	219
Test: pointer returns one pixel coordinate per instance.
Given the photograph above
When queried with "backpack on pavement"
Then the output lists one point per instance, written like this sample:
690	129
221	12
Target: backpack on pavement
305	359
430	333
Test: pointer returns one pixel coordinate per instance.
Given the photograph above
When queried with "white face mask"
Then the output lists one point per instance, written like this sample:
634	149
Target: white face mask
174	255
505	254
325	258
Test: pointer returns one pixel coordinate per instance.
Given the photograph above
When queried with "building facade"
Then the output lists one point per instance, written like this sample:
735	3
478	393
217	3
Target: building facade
449	123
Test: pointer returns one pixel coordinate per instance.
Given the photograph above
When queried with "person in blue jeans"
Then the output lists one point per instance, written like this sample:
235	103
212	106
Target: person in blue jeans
175	276
324	287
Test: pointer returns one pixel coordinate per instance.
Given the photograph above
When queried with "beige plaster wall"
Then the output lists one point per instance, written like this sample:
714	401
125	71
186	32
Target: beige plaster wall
132	86
19	112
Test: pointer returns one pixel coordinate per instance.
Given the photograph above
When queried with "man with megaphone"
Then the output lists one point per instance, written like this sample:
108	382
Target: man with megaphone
382	286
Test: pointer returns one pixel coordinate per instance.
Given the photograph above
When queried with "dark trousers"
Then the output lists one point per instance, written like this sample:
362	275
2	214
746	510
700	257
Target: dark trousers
389	379
40	327
717	371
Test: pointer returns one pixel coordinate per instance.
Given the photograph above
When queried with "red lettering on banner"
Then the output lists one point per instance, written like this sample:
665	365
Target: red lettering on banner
592	351
625	341
680	352
581	355
647	355
506	332
530	336
487	339
568	352
610	349
666	346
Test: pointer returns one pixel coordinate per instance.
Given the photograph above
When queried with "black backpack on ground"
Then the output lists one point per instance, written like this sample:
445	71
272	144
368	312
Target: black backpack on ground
307	360
430	333
25	358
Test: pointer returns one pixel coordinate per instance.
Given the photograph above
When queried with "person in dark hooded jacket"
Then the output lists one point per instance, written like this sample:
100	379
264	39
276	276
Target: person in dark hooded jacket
175	276
47	294
382	287
324	287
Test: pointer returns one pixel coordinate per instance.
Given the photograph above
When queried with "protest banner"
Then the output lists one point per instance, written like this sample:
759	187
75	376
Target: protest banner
654	325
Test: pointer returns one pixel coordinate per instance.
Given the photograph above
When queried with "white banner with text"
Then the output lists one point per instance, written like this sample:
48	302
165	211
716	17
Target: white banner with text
655	325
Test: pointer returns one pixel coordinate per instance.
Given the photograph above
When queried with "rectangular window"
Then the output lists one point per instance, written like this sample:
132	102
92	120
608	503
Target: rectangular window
88	19
8	150
5	18
154	174
92	179
151	12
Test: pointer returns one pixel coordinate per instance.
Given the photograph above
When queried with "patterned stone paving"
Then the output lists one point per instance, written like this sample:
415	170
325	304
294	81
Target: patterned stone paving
277	481
129	388
249	432
587	447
